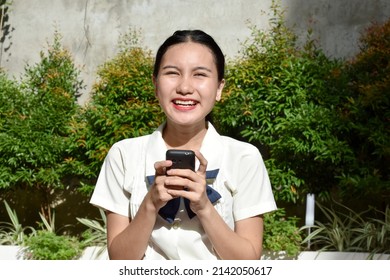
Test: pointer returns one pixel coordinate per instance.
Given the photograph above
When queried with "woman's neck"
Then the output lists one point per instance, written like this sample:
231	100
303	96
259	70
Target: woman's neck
184	137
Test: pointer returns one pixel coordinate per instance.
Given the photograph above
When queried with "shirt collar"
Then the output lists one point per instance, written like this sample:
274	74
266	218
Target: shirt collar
211	149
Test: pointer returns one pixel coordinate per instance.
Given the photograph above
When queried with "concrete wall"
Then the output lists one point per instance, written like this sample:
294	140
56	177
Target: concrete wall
91	28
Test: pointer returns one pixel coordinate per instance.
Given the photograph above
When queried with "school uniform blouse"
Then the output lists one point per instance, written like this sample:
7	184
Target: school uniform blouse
242	183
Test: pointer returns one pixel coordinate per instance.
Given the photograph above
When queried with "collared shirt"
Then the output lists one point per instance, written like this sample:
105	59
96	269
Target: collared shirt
242	182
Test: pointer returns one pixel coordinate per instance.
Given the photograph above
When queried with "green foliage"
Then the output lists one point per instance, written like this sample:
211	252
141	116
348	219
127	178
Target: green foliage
322	125
366	115
13	233
46	245
284	99
42	244
122	105
34	134
347	230
281	233
48	224
97	232
11	100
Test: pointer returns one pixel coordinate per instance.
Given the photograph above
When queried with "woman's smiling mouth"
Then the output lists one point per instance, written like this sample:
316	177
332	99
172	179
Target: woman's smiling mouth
187	104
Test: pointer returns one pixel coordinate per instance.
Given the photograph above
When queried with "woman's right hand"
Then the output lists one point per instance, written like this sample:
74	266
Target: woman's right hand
158	193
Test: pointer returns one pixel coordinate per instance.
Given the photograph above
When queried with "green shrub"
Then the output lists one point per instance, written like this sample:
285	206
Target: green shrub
366	115
46	245
34	136
122	105
281	233
11	100
284	99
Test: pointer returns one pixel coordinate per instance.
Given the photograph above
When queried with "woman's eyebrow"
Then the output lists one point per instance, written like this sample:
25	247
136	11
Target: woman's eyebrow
170	66
194	69
203	68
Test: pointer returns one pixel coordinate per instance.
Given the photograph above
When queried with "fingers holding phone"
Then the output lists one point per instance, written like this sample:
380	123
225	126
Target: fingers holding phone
158	192
182	175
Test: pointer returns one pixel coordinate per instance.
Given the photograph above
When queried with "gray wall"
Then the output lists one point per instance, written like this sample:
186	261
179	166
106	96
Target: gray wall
91	28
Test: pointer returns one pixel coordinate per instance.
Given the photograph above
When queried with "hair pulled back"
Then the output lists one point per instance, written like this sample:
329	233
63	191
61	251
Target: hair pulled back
196	36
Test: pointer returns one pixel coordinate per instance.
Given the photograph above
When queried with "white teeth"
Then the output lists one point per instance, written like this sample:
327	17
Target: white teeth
184	102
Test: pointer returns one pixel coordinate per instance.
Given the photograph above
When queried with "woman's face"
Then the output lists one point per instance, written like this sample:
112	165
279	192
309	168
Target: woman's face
187	85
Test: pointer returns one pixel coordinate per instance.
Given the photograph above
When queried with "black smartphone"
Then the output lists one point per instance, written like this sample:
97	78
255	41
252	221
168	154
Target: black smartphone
181	159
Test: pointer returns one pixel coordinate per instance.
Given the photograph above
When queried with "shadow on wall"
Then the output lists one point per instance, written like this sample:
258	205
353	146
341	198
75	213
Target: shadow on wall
336	25
5	31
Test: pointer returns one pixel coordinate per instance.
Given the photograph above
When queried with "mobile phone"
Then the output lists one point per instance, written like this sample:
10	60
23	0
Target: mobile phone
181	159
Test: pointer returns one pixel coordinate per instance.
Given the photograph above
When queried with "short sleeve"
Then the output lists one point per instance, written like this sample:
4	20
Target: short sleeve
109	193
253	194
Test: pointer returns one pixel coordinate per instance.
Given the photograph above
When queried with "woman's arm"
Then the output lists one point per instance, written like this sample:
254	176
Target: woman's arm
128	239
245	242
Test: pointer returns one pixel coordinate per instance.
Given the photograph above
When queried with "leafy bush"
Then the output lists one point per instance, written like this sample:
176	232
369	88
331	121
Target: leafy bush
281	233
366	114
34	136
284	99
11	100
122	105
46	245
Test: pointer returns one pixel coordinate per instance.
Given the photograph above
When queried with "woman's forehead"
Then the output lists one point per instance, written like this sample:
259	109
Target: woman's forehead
188	52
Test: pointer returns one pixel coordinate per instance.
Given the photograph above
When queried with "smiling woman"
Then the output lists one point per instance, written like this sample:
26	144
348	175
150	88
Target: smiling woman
187	82
216	212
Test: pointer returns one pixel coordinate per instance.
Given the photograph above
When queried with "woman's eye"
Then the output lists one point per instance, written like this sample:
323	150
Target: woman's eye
201	74
171	73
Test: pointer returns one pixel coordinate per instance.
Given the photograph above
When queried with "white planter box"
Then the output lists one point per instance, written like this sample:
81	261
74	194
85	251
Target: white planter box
274	255
315	255
94	253
9	252
311	255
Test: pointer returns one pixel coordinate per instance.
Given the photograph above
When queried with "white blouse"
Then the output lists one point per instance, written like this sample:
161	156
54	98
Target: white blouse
242	182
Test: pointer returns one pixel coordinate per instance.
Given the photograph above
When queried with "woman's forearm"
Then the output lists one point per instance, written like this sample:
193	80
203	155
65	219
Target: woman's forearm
230	244
132	241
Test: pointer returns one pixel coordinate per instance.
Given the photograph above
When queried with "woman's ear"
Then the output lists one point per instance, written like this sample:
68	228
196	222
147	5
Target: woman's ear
219	90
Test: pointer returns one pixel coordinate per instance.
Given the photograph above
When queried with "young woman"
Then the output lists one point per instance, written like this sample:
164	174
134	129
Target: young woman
214	212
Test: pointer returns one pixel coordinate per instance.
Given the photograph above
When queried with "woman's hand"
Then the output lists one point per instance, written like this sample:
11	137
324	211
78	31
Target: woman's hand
188	184
158	194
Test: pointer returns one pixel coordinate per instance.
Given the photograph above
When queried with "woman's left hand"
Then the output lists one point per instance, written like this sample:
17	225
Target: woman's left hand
189	184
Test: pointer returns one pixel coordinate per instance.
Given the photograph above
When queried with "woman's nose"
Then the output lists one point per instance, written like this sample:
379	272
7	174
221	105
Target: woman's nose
185	86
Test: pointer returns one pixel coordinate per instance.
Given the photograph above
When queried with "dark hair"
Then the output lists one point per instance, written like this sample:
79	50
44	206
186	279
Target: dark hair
196	36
